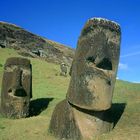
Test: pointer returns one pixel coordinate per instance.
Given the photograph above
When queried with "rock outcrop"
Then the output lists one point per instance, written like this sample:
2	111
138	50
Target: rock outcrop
85	111
12	36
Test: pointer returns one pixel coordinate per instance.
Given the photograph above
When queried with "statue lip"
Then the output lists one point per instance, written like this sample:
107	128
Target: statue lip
17	92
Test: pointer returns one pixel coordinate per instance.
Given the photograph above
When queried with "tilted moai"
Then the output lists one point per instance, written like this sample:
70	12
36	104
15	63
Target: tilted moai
85	111
16	88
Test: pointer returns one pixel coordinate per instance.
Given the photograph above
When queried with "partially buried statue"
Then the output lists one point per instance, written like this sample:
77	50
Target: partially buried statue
63	68
16	88
85	111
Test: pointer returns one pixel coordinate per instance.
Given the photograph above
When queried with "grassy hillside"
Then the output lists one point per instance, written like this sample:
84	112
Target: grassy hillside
49	88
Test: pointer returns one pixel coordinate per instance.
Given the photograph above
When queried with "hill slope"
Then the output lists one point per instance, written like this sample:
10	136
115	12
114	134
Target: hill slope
48	90
29	44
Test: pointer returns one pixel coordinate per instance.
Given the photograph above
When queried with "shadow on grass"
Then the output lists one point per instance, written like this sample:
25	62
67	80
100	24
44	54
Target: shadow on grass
111	115
38	105
116	112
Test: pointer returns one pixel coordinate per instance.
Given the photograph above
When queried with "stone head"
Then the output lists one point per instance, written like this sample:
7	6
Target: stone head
95	65
16	87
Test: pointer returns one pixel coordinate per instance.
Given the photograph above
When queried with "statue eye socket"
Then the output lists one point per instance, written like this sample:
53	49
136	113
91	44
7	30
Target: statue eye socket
10	90
91	59
105	64
20	92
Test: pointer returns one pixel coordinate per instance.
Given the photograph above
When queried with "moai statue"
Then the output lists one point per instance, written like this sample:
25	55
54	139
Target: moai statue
63	68
95	65
85	111
16	88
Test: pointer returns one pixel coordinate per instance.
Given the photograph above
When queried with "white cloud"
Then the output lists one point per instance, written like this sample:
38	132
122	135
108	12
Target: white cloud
123	66
131	54
137	82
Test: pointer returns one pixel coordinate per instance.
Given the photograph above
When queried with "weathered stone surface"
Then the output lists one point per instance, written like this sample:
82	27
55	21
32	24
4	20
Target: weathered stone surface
16	87
95	65
71	122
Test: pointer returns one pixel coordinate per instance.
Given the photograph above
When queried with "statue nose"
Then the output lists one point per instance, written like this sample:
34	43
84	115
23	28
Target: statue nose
17	88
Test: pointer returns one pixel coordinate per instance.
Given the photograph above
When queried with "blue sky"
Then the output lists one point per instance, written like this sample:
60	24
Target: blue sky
62	21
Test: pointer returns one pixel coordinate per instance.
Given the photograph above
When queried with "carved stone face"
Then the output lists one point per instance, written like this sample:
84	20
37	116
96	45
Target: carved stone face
16	87
95	65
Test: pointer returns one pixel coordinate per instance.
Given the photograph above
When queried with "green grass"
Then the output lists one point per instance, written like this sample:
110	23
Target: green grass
48	85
